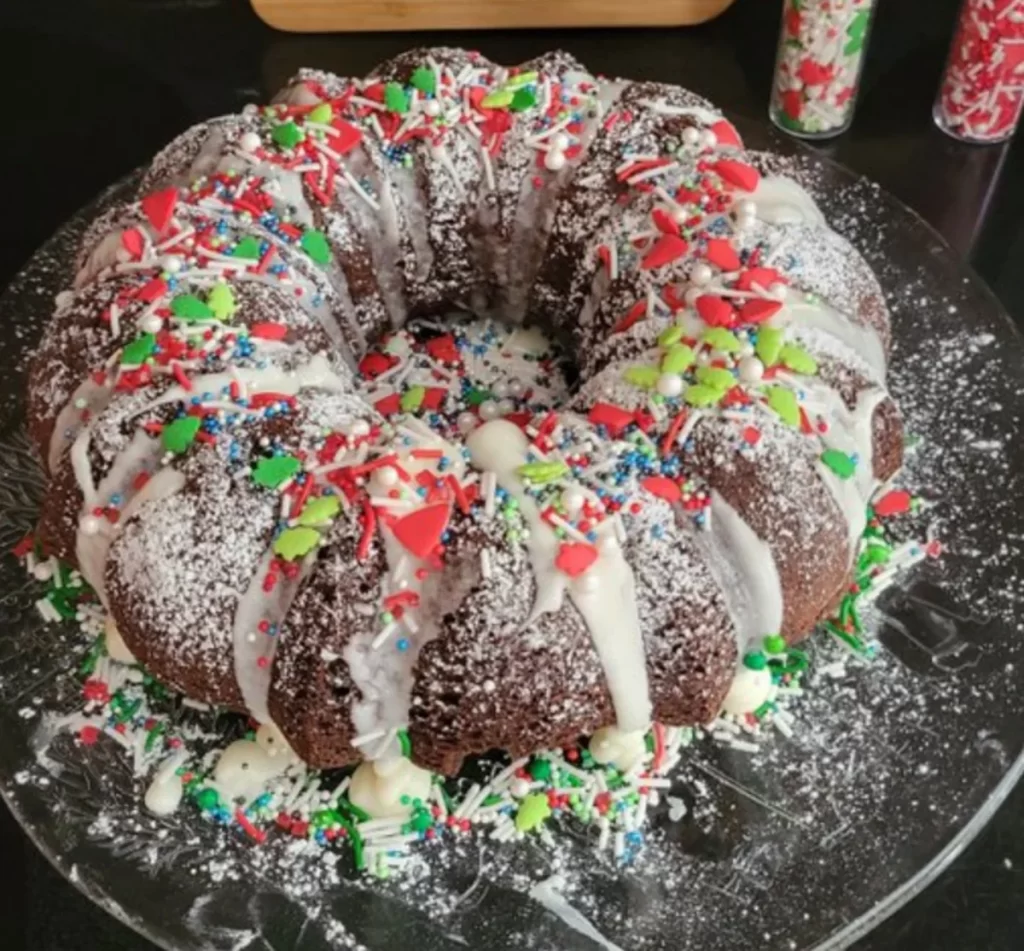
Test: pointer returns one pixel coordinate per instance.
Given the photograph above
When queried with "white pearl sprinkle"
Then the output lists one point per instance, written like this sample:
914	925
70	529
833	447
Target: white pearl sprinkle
249	142
360	428
151	324
573	500
691	136
554	161
500	389
432	108
560	142
670	384
466	422
701	274
751	369
90	525
506	406
516	388
171	263
519	787
386	476
778	291
489	410
708	139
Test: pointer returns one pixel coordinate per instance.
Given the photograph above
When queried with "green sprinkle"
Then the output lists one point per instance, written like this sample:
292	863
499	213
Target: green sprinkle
424	79
404	743
539	472
533	810
678	359
701	396
135	353
90	660
190	307
522	100
315	244
797	359
412	399
287	135
475	397
784	403
221	301
720	339
839	462
527	78
716	377
396	99
270	473
320	510
297	542
499	99
774	644
248	247
179	435
755	660
358	855
540	769
769	345
421	820
670	336
207	798
322	114
644	377
154	735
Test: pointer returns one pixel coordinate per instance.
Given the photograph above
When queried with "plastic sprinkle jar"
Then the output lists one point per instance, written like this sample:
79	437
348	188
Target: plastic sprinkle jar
982	91
817	70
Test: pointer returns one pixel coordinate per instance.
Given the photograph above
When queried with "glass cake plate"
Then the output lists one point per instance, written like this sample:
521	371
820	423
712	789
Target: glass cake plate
894	766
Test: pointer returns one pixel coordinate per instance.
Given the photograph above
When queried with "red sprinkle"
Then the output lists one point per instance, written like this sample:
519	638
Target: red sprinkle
258	835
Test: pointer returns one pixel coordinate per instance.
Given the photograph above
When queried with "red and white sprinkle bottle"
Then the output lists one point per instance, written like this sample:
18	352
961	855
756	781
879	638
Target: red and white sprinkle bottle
982	92
818	67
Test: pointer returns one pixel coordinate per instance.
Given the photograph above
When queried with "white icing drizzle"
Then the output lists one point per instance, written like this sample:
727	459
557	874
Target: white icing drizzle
114	643
384	674
605	596
92	547
801	311
623	750
744	567
317	374
780	200
244	769
165	792
750	690
89	395
378	787
702	115
850	432
254	650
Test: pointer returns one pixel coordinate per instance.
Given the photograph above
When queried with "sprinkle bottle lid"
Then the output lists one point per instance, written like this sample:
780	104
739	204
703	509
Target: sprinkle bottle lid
981	95
818	67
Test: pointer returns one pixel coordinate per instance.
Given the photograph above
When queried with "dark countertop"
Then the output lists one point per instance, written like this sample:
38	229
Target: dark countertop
94	87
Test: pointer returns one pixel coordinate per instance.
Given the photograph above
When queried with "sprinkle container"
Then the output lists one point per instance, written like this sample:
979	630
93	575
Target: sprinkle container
817	71
982	91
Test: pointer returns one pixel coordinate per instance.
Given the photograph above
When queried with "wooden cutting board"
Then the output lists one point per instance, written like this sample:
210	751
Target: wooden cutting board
314	16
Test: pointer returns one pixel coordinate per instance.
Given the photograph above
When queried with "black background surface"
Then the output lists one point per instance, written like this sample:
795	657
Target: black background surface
91	88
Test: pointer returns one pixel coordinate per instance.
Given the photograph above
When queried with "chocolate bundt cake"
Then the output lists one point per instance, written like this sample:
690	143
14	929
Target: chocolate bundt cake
412	576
